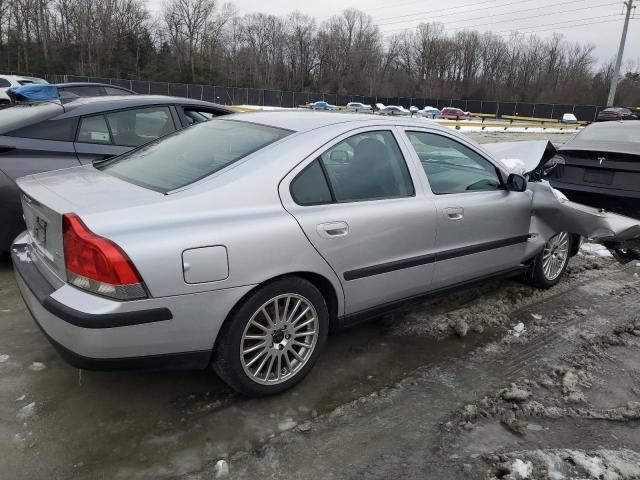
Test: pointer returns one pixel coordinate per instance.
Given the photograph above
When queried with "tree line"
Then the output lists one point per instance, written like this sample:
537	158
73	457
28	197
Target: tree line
202	41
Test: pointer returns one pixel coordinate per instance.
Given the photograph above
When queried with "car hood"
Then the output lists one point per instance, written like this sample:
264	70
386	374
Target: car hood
524	158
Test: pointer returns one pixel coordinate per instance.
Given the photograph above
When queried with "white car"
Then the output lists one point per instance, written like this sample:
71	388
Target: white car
429	112
394	110
8	81
569	118
358	107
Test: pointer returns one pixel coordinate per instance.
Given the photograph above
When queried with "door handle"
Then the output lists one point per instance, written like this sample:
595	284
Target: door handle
333	229
454	213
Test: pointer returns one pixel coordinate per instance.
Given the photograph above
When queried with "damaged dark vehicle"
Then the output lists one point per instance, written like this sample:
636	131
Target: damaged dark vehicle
601	167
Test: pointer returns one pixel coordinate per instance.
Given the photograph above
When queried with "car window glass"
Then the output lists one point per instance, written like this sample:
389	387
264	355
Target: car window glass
85	90
94	130
197	116
116	91
25	82
131	128
4	83
59	130
310	187
367	166
452	167
191	153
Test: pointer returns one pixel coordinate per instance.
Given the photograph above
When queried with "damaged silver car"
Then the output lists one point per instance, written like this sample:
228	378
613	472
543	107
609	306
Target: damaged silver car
240	243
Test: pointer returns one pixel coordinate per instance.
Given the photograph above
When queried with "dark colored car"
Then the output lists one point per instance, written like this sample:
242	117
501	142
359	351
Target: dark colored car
602	167
37	137
85	89
615	113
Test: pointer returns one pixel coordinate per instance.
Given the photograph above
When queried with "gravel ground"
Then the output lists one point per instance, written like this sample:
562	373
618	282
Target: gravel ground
499	381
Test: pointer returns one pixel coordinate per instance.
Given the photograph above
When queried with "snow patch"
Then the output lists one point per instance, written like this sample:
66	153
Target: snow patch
22	255
522	470
288	424
536	316
518	330
595	249
4	358
21	397
221	469
6	310
27	411
37	367
515	165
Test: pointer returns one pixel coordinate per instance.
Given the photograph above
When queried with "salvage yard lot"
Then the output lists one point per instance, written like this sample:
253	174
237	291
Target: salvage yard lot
447	388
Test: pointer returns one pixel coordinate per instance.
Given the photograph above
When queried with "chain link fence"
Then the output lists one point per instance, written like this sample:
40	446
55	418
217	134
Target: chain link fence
279	98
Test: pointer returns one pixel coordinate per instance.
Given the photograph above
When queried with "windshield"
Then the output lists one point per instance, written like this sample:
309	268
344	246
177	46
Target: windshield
621	133
191	154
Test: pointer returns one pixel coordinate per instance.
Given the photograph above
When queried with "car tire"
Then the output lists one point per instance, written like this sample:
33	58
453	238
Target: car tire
255	322
549	265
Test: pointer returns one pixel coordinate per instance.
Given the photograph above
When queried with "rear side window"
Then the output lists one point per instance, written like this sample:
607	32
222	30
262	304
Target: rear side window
94	130
191	154
116	91
131	128
85	90
57	130
4	83
310	186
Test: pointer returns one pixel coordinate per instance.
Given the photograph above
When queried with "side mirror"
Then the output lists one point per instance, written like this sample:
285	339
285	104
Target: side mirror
339	156
516	183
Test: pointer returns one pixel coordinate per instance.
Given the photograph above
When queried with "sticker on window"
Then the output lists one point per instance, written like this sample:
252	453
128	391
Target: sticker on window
100	136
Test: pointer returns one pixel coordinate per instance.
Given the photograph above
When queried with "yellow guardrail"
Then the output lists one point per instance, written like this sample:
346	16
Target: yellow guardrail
530	119
483	115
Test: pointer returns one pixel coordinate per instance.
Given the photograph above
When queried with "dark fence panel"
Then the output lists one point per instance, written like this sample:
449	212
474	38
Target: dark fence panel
299	98
474	106
331	98
560	110
342	100
121	83
272	98
315	97
586	113
461	104
143	87
178	90
255	97
208	93
288	100
524	109
195	91
404	102
543	110
490	108
506	108
370	100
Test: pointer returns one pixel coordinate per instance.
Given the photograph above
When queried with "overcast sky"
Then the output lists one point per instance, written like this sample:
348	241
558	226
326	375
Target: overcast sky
601	20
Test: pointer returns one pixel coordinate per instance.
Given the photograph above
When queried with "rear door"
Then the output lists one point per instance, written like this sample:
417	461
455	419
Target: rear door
482	227
359	204
113	133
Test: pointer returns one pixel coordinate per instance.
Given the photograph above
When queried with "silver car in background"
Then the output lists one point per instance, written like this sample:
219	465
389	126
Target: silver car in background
359	107
241	242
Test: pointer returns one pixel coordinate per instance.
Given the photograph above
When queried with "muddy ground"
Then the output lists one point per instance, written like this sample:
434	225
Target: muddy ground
499	381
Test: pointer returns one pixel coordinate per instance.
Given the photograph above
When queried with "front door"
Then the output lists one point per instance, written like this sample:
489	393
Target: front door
482	227
359	205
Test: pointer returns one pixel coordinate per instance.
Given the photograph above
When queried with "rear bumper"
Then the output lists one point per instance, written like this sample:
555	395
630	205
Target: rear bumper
611	192
95	333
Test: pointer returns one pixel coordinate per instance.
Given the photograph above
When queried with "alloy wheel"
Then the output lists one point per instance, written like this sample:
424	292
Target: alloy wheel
555	256
279	339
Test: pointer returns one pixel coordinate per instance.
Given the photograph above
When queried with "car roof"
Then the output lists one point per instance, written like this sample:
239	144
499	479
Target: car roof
15	78
298	120
87	105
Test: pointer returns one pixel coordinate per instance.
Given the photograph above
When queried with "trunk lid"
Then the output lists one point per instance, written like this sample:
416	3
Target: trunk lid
46	197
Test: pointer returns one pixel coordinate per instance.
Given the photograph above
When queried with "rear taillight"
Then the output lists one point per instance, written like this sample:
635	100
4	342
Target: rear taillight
96	264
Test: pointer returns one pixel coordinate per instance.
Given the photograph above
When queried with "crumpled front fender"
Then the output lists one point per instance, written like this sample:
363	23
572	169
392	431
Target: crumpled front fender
552	213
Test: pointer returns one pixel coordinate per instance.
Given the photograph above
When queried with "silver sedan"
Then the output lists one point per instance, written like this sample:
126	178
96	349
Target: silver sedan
241	242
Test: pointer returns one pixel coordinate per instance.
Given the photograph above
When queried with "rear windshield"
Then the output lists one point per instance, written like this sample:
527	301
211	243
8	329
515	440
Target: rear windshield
619	133
191	154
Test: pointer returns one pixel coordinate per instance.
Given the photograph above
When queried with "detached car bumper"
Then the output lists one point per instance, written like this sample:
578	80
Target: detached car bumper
95	333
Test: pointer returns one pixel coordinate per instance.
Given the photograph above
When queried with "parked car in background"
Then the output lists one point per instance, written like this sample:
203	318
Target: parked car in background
413	109
615	113
87	89
451	113
569	118
602	167
321	105
358	107
394	110
44	136
429	112
8	81
161	258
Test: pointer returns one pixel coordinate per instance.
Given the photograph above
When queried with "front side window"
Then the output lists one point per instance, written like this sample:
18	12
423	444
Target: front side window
4	83
131	128
452	167
367	166
191	154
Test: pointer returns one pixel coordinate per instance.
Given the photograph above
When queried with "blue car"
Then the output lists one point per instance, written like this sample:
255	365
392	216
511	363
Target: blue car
321	105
